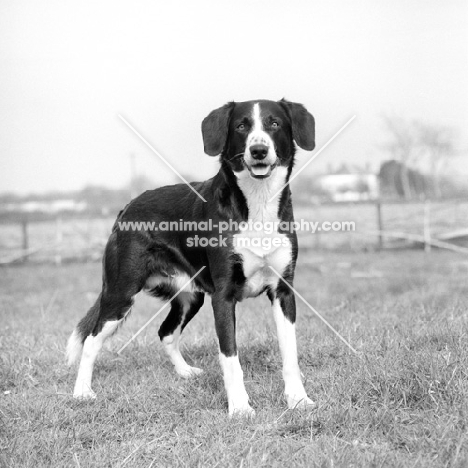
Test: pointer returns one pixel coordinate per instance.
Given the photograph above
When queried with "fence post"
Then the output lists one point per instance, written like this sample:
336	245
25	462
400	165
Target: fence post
379	222
24	238
427	226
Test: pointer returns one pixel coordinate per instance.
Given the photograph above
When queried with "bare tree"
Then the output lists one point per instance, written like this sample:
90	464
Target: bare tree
414	141
437	144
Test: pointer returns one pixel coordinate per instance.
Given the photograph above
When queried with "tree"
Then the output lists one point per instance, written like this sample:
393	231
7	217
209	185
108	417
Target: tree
438	146
415	142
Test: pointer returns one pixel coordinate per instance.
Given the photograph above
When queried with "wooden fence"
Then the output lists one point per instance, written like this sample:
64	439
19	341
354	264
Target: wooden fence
378	225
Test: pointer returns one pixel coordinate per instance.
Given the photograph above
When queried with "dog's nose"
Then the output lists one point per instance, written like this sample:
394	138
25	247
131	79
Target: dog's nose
259	151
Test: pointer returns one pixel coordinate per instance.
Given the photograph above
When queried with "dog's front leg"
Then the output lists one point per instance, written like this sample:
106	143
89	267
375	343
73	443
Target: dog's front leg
225	321
284	311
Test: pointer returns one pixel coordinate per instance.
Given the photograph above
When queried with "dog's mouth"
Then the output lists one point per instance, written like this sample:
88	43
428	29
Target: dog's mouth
261	171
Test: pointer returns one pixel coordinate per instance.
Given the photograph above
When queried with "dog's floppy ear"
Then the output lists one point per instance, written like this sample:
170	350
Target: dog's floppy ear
303	124
215	129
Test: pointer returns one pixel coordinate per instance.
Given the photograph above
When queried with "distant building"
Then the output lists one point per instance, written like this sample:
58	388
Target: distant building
349	187
47	206
392	175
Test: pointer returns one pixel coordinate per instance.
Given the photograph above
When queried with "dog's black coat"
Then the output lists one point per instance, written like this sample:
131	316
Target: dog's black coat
131	257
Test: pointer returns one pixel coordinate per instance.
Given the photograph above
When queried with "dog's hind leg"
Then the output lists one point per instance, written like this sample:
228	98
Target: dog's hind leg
183	309
123	277
100	323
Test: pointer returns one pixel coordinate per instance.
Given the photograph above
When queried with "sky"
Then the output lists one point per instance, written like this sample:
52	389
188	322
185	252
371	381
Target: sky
68	69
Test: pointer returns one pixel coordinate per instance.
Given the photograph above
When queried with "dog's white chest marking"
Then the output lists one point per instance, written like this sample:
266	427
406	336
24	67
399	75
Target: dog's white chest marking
256	267
264	247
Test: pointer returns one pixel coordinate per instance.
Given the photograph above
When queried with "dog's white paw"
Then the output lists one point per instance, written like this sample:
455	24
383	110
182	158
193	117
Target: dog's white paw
301	401
238	403
244	411
188	371
87	394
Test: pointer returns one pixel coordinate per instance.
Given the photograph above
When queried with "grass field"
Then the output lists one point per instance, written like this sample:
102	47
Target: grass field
404	402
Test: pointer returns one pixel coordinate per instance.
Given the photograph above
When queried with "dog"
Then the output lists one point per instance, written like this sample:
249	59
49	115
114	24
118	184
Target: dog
255	144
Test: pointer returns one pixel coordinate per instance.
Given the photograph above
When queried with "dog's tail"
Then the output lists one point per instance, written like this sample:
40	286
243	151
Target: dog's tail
81	332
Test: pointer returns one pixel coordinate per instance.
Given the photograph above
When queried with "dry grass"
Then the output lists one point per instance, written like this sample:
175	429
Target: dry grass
404	403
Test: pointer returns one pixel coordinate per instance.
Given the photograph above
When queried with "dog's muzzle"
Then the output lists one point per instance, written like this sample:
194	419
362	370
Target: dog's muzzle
260	166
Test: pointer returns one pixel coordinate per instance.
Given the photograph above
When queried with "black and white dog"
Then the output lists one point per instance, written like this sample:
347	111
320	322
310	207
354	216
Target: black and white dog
255	141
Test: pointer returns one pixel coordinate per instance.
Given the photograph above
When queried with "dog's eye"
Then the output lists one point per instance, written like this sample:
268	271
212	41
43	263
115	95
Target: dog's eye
241	127
274	124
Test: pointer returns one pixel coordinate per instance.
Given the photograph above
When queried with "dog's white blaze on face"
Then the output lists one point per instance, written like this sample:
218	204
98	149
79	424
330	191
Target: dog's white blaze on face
259	136
238	399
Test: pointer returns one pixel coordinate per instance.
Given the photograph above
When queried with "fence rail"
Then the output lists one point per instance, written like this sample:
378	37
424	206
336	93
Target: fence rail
54	240
377	225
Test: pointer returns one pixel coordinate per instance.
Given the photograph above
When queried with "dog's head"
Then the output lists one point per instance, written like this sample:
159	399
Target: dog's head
257	136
